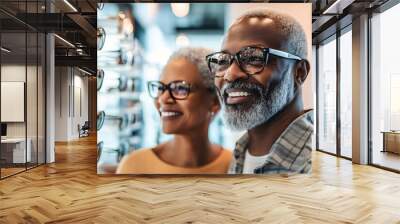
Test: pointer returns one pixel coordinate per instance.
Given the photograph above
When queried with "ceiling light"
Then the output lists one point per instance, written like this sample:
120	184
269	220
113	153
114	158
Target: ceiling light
182	40
180	9
337	7
65	41
84	71
70	5
5	49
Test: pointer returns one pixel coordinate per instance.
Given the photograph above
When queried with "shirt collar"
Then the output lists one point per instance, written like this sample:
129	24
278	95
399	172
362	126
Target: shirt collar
241	145
303	123
302	126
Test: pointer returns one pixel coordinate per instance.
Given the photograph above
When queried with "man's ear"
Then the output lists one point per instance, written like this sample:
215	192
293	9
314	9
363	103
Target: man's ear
301	70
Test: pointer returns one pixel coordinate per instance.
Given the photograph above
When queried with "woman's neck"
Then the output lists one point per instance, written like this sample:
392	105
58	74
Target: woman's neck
189	150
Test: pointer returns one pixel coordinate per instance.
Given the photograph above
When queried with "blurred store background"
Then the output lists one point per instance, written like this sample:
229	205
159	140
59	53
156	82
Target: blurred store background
135	41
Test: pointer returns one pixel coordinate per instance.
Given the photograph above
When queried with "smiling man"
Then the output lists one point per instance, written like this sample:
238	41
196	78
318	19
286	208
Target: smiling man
259	73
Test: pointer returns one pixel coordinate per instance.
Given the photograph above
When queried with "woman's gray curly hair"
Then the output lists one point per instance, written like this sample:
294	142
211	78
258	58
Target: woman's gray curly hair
197	56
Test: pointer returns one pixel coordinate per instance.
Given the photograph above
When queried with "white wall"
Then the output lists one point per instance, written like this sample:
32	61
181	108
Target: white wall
33	126
12	73
82	82
302	13
50	93
70	84
81	94
61	103
314	88
360	90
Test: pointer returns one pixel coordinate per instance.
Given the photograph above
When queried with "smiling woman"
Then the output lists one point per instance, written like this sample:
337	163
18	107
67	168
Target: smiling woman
187	102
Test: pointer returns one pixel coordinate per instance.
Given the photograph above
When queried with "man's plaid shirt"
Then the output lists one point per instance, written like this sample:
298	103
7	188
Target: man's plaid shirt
290	153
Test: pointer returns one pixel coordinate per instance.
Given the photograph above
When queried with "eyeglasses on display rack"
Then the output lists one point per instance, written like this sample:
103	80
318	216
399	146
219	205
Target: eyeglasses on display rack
100	146
123	121
118	57
124	84
120	119
101	38
129	102
100	6
100	119
251	60
122	150
100	78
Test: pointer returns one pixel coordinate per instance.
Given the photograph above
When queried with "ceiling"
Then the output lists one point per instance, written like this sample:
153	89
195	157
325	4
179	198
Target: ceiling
329	16
73	20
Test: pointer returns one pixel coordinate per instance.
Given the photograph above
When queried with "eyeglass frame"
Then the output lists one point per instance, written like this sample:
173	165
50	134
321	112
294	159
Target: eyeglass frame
168	87
266	52
191	88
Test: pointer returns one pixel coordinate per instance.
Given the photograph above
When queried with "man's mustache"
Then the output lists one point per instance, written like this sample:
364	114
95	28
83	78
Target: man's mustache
251	87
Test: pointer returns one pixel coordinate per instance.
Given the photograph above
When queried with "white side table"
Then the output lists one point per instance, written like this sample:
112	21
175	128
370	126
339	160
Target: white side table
18	145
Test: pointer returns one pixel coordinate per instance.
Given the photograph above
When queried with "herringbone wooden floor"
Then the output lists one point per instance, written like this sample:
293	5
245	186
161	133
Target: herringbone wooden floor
70	191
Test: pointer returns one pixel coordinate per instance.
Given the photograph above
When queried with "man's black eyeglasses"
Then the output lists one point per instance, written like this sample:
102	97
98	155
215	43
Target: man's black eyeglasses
251	60
178	90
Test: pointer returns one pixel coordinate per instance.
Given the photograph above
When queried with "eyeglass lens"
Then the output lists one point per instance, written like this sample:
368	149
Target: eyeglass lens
251	60
179	90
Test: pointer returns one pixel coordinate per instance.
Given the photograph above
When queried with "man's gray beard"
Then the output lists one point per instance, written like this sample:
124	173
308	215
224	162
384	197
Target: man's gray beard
269	102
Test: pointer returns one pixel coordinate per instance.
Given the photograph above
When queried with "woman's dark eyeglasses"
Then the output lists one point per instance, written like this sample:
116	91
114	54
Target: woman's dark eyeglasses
178	90
251	60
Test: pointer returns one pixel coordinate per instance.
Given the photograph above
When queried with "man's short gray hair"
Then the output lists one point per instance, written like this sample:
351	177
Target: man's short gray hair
197	56
296	41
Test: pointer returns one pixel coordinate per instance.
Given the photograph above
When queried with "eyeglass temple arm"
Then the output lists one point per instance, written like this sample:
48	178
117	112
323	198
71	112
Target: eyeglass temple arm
283	54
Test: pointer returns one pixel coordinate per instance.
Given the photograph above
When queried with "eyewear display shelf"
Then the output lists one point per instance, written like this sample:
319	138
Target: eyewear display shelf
119	89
